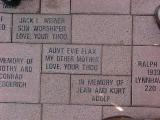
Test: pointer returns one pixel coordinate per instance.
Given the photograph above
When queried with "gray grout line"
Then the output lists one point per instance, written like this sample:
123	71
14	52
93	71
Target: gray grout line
54	103
38	14
102	113
41	58
86	74
107	14
75	74
142	14
40	73
11	28
78	44
41	112
97	13
70	88
132	59
130	7
26	103
40	88
40	6
19	103
101	59
131	76
70	6
91	13
71	29
132	31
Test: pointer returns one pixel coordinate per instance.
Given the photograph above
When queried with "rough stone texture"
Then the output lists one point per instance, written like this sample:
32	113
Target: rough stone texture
30	28
74	59
26	6
146	67
116	60
13	111
145	31
71	112
55	6
144	7
101	6
24	67
101	29
55	88
100	90
135	112
5	27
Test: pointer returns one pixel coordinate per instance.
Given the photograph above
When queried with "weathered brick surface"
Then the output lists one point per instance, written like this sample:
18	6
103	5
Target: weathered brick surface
71	112
100	90
55	88
13	111
145	86
144	7
101	6
5	27
145	31
73	59
55	6
19	73
101	29
116	60
31	28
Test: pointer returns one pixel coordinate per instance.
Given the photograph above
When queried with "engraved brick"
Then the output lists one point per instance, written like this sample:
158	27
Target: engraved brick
144	7
12	111
29	28
19	73
71	112
74	59
100	90
102	29
145	31
103	6
146	80
116	60
5	27
55	6
26	6
55	88
135	112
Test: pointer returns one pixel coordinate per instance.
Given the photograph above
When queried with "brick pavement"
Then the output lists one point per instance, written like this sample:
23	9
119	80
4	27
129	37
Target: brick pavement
79	60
